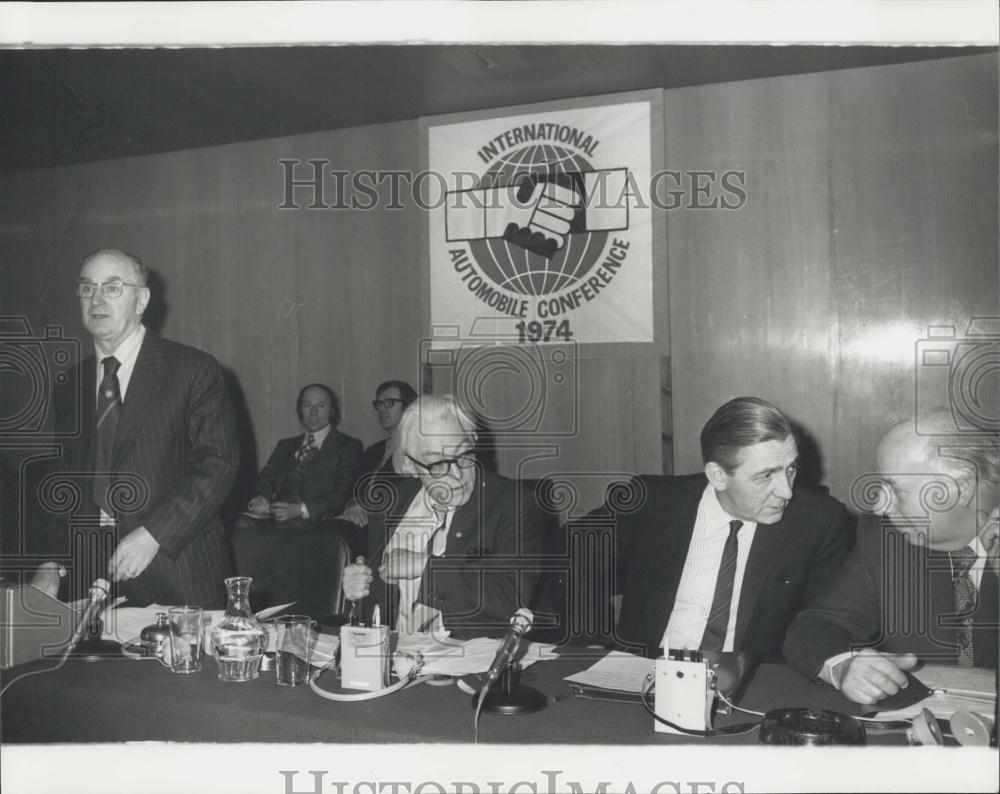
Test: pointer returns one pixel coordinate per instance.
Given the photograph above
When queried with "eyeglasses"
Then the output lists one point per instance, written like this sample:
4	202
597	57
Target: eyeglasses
109	289
440	468
388	402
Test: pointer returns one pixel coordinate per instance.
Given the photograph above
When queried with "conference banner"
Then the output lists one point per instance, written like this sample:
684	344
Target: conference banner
542	233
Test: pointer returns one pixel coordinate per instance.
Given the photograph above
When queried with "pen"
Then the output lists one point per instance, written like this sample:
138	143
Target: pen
376	617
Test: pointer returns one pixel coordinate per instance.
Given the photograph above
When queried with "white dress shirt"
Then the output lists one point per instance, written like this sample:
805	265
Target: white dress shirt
126	353
696	590
414	533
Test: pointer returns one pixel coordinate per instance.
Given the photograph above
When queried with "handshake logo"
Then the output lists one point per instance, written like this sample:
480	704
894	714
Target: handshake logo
539	212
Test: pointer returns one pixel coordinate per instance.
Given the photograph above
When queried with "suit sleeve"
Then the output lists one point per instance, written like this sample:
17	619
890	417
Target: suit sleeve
843	615
270	476
478	595
210	463
835	543
343	468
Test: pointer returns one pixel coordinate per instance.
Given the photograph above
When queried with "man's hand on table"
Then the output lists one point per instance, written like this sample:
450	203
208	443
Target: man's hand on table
871	675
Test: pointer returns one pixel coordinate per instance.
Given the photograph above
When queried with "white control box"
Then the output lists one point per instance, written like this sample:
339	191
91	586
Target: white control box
684	692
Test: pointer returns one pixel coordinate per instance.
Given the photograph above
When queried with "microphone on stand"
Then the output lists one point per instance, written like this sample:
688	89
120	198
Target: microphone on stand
510	697
98	593
520	624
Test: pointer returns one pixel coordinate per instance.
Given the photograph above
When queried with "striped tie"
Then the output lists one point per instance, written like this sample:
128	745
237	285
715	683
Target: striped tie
965	602
109	405
714	637
307	448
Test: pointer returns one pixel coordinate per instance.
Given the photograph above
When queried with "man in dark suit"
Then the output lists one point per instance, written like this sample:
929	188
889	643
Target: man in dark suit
445	545
159	437
722	561
308	476
392	397
921	584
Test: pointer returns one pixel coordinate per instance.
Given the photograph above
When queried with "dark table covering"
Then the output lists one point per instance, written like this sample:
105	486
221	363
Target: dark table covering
117	700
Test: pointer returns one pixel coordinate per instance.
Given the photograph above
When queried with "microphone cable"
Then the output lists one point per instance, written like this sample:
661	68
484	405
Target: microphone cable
728	730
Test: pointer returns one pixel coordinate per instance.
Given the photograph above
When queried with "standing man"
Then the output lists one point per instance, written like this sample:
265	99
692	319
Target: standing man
722	561
309	475
921	585
159	437
445	550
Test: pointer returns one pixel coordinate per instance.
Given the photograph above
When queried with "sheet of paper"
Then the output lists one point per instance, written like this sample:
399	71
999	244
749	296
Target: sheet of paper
618	671
958	680
446	656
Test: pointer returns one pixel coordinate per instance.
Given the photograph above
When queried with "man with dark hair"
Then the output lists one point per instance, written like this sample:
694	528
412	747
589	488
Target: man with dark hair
392	397
723	560
922	582
159	445
310	475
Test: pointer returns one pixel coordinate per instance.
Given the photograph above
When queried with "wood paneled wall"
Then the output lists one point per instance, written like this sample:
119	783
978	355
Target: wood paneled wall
871	214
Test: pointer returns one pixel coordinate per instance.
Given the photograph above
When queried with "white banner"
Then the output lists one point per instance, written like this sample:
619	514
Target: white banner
542	234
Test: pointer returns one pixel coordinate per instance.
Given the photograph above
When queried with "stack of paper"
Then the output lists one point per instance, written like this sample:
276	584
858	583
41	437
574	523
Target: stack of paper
619	672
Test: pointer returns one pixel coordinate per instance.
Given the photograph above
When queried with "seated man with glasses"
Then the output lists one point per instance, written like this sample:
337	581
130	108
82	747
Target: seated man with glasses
444	545
391	398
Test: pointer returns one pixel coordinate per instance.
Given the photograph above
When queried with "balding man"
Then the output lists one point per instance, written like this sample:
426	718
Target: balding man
159	440
444	551
921	584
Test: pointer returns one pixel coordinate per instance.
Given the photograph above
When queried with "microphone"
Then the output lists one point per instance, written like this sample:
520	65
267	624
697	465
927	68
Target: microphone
98	592
519	625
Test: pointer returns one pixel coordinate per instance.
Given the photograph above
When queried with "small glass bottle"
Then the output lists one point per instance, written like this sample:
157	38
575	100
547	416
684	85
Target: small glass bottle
154	637
239	641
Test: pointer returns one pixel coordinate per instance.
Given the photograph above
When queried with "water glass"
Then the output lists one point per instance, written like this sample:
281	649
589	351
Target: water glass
186	639
294	643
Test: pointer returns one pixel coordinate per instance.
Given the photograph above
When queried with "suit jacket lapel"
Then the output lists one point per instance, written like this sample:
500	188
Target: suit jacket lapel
466	524
671	553
767	542
145	383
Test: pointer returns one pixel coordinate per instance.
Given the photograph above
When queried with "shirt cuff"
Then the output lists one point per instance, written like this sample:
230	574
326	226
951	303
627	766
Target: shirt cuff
833	669
304	510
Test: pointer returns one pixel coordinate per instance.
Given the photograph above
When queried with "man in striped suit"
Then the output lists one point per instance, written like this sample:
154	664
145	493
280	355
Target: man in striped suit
156	454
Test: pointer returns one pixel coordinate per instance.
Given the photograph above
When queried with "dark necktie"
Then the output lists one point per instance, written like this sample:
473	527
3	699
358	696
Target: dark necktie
109	406
307	449
718	618
965	602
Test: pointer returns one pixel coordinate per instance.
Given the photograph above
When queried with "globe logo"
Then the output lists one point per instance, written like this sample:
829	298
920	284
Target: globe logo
517	269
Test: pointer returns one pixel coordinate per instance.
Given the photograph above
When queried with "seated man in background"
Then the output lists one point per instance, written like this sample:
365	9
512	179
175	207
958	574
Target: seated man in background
309	475
440	554
920	586
391	398
723	560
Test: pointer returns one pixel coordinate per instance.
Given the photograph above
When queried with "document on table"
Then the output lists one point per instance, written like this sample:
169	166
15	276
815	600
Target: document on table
446	656
955	689
618	671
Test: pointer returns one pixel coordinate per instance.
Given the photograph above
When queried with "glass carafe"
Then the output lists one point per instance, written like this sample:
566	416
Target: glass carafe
239	641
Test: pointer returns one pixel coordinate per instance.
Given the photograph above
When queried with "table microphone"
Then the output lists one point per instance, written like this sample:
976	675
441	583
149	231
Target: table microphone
519	626
98	592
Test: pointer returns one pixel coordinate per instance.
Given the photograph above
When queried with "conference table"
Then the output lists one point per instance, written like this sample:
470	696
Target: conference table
119	699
